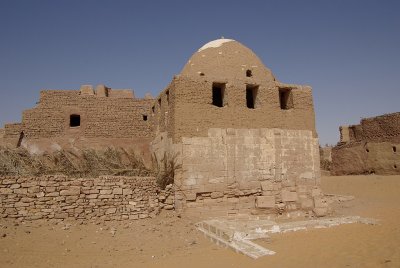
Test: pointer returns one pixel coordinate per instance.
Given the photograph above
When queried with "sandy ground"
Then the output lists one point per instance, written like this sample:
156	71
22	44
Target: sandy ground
170	241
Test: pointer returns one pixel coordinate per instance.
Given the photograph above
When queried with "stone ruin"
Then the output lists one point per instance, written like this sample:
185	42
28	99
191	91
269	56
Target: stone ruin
240	140
370	147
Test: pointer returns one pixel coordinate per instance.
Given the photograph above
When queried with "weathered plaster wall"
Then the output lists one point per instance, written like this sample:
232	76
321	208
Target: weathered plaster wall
104	198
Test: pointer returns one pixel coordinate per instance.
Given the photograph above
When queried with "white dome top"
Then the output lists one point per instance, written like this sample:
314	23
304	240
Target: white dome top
215	43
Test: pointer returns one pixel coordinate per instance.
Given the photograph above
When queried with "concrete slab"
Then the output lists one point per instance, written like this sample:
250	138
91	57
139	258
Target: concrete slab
237	233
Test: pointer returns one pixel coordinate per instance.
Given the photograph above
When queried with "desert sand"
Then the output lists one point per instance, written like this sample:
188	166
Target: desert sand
171	240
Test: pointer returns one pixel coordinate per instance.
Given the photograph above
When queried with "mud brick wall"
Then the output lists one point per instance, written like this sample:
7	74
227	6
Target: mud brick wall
371	147
193	113
104	198
116	116
12	130
374	129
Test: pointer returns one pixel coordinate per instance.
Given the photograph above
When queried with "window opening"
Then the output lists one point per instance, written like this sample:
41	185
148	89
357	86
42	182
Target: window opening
286	99
394	149
144	117
74	120
249	73
251	96
218	91
167	94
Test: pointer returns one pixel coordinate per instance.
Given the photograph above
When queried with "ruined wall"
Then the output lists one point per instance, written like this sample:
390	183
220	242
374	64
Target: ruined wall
101	117
104	198
238	170
372	147
374	129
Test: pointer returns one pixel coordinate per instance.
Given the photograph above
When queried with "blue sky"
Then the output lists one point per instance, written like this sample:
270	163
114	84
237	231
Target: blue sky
348	51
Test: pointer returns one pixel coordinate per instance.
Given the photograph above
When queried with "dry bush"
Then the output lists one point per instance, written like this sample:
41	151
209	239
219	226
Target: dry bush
165	169
84	163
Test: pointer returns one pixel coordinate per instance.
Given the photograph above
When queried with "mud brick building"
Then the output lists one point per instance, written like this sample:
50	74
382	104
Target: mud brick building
240	139
370	147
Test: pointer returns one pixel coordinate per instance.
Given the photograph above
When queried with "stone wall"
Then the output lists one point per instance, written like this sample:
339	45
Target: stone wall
237	170
370	147
103	198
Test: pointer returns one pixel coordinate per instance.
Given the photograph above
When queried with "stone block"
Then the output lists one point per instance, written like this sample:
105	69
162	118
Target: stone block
216	195
111	211
127	191
320	212
267	185
117	191
19	191
91	196
9	181
134	217
106	191
40	194
106	196
73	190
169	207
265	201
21	204
288	196
6	191
15	186
34	189
190	196
307	203
53	194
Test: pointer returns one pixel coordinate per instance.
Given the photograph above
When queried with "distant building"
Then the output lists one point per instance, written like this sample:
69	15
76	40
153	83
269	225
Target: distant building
370	147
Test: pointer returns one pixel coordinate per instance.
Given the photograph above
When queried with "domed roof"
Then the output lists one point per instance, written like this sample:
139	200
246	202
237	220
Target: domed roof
226	58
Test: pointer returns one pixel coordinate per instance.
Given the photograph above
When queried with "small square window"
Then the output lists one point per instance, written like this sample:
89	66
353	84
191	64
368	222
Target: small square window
74	120
286	99
249	73
144	117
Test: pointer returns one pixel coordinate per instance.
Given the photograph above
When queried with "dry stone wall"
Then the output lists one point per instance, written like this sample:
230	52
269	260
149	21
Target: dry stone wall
103	198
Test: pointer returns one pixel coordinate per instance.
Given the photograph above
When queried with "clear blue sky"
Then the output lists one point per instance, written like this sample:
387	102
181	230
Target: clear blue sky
348	51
